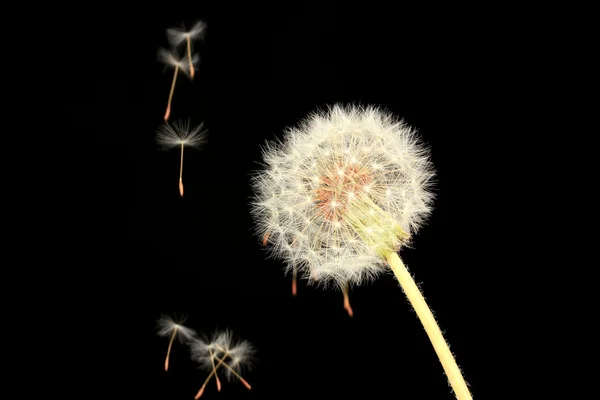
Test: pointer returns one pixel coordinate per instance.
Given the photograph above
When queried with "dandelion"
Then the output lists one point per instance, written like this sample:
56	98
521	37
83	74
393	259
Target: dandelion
168	327
223	351
172	60
200	348
176	36
180	134
337	200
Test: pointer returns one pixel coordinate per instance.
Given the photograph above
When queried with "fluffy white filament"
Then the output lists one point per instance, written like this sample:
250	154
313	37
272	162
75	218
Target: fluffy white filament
180	133
345	188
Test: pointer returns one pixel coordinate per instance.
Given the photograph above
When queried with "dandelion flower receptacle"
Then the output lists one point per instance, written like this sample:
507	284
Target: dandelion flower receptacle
180	134
341	195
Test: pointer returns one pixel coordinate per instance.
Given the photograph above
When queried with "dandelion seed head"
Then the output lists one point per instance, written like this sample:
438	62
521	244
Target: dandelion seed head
355	185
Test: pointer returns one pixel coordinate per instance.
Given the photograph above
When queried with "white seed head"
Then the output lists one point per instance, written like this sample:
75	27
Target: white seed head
167	325
346	187
180	133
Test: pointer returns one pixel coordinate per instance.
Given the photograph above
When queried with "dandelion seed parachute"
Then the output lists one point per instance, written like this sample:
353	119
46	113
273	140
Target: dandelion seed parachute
172	60
177	36
226	352
168	327
180	134
346	190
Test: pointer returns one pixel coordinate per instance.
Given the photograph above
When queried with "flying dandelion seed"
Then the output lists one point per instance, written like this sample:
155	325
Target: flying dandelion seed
167	327
173	61
180	134
226	352
200	348
340	196
177	36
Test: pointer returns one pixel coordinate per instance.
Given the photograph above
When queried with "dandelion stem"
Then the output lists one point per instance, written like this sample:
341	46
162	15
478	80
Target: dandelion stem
214	371
181	172
169	349
168	112
212	360
432	329
189	51
347	305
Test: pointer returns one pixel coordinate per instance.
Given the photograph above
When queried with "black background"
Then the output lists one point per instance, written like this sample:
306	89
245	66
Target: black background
262	69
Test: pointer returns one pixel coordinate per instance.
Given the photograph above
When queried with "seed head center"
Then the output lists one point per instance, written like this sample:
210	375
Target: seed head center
338	187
